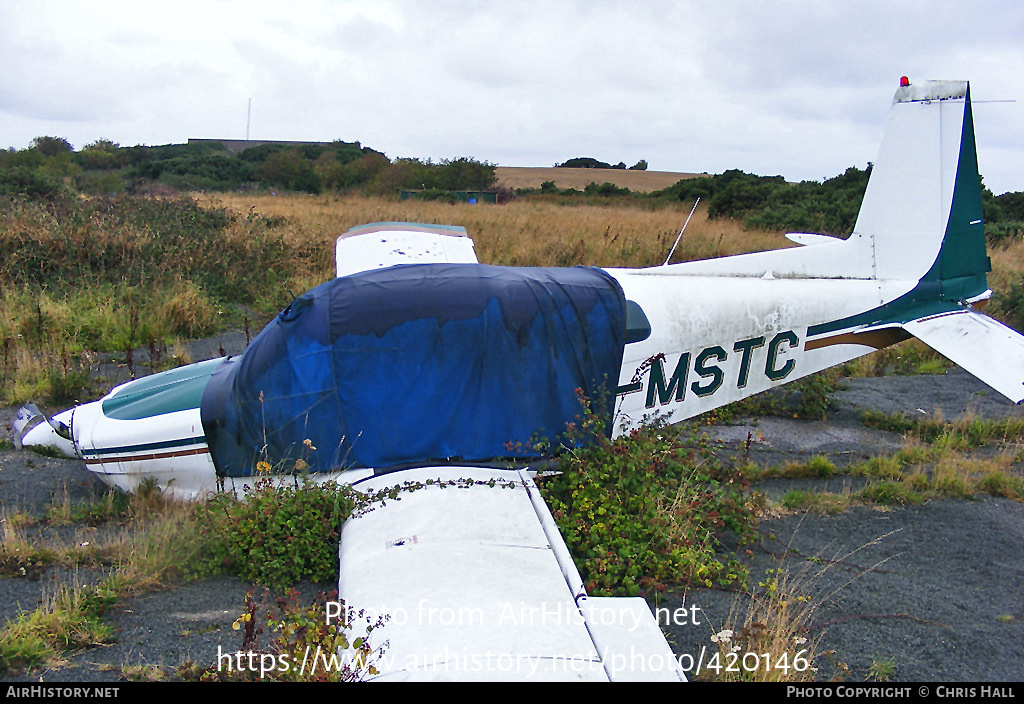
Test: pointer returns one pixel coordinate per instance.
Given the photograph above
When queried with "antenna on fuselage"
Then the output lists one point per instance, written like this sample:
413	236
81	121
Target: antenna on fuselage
680	235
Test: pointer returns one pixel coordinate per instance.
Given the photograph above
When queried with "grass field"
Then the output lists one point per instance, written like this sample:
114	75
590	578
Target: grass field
125	273
532	232
112	275
637	181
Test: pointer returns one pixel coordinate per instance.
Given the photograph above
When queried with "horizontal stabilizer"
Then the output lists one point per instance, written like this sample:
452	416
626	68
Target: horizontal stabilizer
807	239
986	348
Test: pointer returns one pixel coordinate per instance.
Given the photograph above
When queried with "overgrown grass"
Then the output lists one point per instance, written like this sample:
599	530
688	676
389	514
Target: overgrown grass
904	358
70	619
281	536
147	550
939	460
962	479
817	467
80	277
809	398
83	277
523	232
967	432
936	462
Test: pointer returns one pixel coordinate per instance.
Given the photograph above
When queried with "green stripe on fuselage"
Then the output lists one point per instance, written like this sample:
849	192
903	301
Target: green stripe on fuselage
98	452
959	271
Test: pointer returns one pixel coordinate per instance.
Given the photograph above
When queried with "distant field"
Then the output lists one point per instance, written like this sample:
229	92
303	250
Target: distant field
641	181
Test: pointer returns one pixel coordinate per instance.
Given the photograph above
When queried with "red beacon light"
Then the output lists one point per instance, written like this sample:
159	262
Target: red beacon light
904	82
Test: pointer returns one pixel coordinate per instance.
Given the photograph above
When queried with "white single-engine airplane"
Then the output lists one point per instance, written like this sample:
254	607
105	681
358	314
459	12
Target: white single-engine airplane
417	362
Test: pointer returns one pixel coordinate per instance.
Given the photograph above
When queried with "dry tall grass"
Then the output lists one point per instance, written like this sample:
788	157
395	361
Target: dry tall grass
543	233
634	180
1007	263
524	232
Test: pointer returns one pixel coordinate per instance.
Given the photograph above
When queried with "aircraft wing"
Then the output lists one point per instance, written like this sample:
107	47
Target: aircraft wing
385	244
478	584
977	343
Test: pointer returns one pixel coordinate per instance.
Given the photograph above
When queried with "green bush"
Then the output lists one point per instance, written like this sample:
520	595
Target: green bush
809	398
51	146
279	535
1008	304
769	202
209	171
605	189
412	174
645	512
583	162
31	183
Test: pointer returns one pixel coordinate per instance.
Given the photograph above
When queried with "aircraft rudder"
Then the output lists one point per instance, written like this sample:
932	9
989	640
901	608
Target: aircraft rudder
922	206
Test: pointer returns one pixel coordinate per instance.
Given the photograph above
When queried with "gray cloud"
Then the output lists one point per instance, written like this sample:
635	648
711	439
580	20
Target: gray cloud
799	88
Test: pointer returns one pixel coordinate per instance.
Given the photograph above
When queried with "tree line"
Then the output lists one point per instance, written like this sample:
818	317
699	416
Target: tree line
50	166
772	203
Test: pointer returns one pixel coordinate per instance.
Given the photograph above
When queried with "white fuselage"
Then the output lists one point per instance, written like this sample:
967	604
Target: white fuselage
697	359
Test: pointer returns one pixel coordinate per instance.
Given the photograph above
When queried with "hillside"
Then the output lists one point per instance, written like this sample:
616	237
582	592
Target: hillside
639	181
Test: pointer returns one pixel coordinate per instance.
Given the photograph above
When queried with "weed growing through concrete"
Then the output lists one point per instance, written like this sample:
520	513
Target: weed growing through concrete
771	634
284	641
882	669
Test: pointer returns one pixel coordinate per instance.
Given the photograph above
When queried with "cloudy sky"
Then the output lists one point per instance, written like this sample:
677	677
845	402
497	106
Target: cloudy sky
799	88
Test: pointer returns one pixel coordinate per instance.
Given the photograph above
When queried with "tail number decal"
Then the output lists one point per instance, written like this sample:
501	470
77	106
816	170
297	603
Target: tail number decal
709	374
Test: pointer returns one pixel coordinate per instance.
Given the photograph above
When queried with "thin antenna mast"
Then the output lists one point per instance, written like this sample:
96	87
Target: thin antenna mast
248	117
680	235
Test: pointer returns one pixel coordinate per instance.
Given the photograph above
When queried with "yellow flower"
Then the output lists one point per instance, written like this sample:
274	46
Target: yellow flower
263	467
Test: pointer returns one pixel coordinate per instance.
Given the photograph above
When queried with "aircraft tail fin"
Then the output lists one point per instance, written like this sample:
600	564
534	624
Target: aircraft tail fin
922	208
920	219
920	235
925	184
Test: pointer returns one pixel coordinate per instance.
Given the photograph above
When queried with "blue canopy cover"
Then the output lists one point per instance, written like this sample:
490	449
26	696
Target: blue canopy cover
415	364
